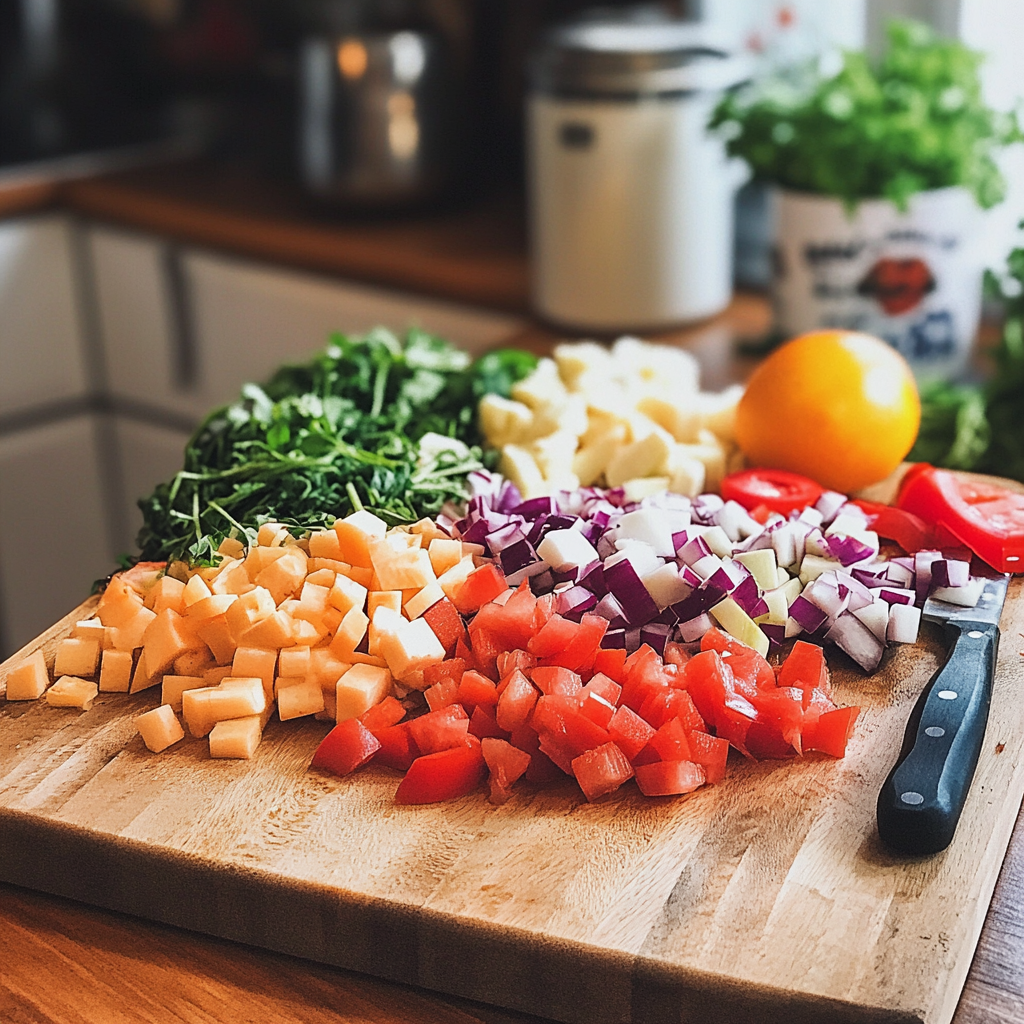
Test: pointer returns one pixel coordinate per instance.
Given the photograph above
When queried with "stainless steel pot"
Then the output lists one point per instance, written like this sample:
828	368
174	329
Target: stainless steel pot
379	119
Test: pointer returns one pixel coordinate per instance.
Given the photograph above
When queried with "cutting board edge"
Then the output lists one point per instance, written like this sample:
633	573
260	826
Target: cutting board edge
463	957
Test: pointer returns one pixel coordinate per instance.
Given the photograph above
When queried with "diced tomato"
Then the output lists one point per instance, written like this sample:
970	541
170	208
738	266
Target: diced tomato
474	689
439	730
441	694
542	768
670	742
560	719
555	679
542	611
775	733
710	684
675	654
553	637
745	663
711	753
911	532
669	778
629	731
760	513
668	703
481	585
506	765
483	723
777	489
611	663
516	701
579	655
601	770
514	622
831	732
388	712
444	775
446	622
605	687
450	668
397	748
347	746
805	667
464	653
486	648
596	708
509	660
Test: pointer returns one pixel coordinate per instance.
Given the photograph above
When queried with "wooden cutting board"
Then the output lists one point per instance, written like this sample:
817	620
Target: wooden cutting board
767	897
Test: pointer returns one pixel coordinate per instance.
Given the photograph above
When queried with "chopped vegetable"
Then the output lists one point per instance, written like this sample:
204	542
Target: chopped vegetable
370	423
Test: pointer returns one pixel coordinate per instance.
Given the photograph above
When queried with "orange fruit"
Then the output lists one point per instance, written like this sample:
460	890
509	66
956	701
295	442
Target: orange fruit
838	406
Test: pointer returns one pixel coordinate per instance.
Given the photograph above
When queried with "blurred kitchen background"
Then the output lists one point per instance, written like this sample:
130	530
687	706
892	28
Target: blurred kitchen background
193	191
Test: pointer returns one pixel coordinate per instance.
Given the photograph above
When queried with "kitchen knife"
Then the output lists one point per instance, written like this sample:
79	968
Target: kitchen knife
920	802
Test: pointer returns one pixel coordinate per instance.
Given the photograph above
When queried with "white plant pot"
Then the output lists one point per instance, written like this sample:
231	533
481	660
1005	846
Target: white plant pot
913	278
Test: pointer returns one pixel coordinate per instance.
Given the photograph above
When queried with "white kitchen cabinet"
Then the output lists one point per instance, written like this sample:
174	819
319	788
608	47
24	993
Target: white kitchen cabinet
249	319
137	319
53	525
41	356
148	454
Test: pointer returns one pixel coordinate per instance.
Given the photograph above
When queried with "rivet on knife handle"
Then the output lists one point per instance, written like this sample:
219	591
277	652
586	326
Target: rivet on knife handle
920	802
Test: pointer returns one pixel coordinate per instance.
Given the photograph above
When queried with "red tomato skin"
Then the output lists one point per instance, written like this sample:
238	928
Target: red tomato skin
450	668
629	731
475	689
604	686
832	731
611	663
441	694
711	753
397	748
516	701
446	622
805	667
911	532
482	723
601	770
554	679
388	712
439	730
777	489
669	778
671	743
988	519
597	709
345	748
444	775
481	585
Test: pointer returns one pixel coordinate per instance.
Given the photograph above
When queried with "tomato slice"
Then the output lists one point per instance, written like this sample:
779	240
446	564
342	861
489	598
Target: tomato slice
911	532
776	489
444	775
347	746
987	518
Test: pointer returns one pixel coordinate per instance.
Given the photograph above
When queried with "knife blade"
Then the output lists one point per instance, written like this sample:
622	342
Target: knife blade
920	802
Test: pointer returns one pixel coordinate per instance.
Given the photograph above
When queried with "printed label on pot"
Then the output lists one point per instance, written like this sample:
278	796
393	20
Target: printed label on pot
911	278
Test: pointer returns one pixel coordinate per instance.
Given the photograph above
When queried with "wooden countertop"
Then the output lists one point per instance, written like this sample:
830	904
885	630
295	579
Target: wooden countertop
64	962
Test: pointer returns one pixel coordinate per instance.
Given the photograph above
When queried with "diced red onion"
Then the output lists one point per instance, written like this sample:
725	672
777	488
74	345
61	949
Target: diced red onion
829	504
849	634
950	572
623	582
694	629
613	639
576	598
893	595
849	549
807	615
904	622
656	635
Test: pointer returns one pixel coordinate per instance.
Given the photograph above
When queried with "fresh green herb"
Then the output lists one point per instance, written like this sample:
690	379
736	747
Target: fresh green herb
981	428
371	422
916	120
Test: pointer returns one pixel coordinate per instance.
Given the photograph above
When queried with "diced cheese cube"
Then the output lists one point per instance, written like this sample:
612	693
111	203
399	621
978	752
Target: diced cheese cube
347	594
231	547
520	467
271	633
236	738
504	421
350	632
646	457
452	580
286	575
195	590
159	728
410	651
203	708
116	671
29	679
541	388
401	570
173	687
91	629
72	692
383	599
325	544
444	553
118	603
305	698
77	657
167	593
360	689
355	532
423	600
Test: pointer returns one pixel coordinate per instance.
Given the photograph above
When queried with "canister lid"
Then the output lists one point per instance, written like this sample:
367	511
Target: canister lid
623	58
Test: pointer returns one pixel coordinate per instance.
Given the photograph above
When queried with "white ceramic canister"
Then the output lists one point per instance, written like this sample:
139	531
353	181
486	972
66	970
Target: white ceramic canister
913	278
631	198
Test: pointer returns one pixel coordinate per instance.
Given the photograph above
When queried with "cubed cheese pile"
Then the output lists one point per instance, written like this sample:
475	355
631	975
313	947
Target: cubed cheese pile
326	626
630	416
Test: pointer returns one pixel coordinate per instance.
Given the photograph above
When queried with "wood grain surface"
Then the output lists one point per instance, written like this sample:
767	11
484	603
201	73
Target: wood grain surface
765	897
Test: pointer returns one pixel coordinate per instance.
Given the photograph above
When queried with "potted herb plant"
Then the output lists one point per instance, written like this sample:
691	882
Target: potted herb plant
881	173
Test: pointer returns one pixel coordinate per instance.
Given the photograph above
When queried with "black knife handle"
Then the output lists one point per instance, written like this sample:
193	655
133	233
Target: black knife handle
920	802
